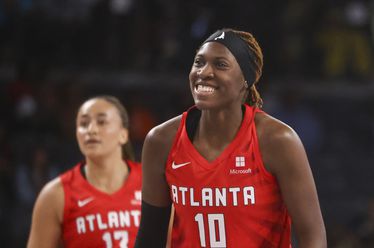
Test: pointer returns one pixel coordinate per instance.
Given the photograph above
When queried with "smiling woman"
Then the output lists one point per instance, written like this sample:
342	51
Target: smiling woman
235	176
97	202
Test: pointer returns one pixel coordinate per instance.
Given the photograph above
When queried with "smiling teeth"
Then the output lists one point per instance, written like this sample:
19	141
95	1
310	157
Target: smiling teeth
205	89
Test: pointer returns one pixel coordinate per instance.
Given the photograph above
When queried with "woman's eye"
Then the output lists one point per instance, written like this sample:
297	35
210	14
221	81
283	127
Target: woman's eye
198	62
83	123
221	64
101	122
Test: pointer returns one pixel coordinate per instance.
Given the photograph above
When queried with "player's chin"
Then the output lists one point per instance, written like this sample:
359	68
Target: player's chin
203	105
92	154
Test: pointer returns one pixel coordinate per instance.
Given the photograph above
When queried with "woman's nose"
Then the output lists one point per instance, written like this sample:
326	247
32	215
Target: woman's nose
92	127
205	71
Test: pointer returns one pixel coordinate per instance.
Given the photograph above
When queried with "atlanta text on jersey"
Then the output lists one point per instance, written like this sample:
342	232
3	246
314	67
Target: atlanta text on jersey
213	197
113	219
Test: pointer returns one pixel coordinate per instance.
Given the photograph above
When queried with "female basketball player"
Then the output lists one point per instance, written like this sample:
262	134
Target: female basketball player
96	203
235	175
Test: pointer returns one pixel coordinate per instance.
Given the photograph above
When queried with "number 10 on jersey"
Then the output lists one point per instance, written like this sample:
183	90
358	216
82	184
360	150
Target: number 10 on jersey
217	238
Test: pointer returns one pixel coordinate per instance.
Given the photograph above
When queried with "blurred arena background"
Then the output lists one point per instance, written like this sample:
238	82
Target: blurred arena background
318	77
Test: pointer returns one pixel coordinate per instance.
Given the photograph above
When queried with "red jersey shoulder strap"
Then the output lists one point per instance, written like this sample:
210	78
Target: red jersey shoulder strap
178	134
256	145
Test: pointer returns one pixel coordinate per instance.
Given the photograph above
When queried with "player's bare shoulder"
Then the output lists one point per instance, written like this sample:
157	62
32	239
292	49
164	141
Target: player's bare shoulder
272	129
53	189
51	198
163	134
156	148
277	140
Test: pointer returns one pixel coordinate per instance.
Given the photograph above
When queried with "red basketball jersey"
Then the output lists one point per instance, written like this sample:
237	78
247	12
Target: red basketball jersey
96	219
229	202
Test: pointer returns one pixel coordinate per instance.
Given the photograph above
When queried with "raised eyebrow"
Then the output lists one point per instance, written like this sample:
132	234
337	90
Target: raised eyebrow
201	55
83	116
88	116
101	115
198	56
221	58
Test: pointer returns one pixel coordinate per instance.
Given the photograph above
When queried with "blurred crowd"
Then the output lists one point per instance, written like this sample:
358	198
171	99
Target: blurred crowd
318	78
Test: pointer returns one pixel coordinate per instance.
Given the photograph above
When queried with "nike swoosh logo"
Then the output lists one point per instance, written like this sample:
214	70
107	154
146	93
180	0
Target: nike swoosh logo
176	166
84	202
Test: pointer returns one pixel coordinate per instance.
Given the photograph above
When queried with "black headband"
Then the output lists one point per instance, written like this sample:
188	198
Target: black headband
239	48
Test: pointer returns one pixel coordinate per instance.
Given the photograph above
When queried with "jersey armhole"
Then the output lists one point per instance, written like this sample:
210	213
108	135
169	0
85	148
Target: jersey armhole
64	178
176	137
257	149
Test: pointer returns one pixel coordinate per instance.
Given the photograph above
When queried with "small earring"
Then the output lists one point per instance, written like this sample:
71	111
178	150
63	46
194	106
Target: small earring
246	84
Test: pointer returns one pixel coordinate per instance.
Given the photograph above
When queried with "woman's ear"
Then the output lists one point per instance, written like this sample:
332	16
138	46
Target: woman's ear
124	136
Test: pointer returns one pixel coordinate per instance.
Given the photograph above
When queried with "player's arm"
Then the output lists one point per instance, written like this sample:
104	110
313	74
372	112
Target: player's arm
156	200
47	217
285	157
170	228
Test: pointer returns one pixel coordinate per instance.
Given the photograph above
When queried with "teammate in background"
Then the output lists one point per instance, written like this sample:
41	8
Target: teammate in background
97	203
235	175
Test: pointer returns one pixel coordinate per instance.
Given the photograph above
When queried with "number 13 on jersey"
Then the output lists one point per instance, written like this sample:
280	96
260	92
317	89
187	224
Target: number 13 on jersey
217	238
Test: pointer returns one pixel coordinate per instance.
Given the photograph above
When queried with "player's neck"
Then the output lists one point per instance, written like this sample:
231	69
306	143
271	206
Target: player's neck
107	176
219	126
215	132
